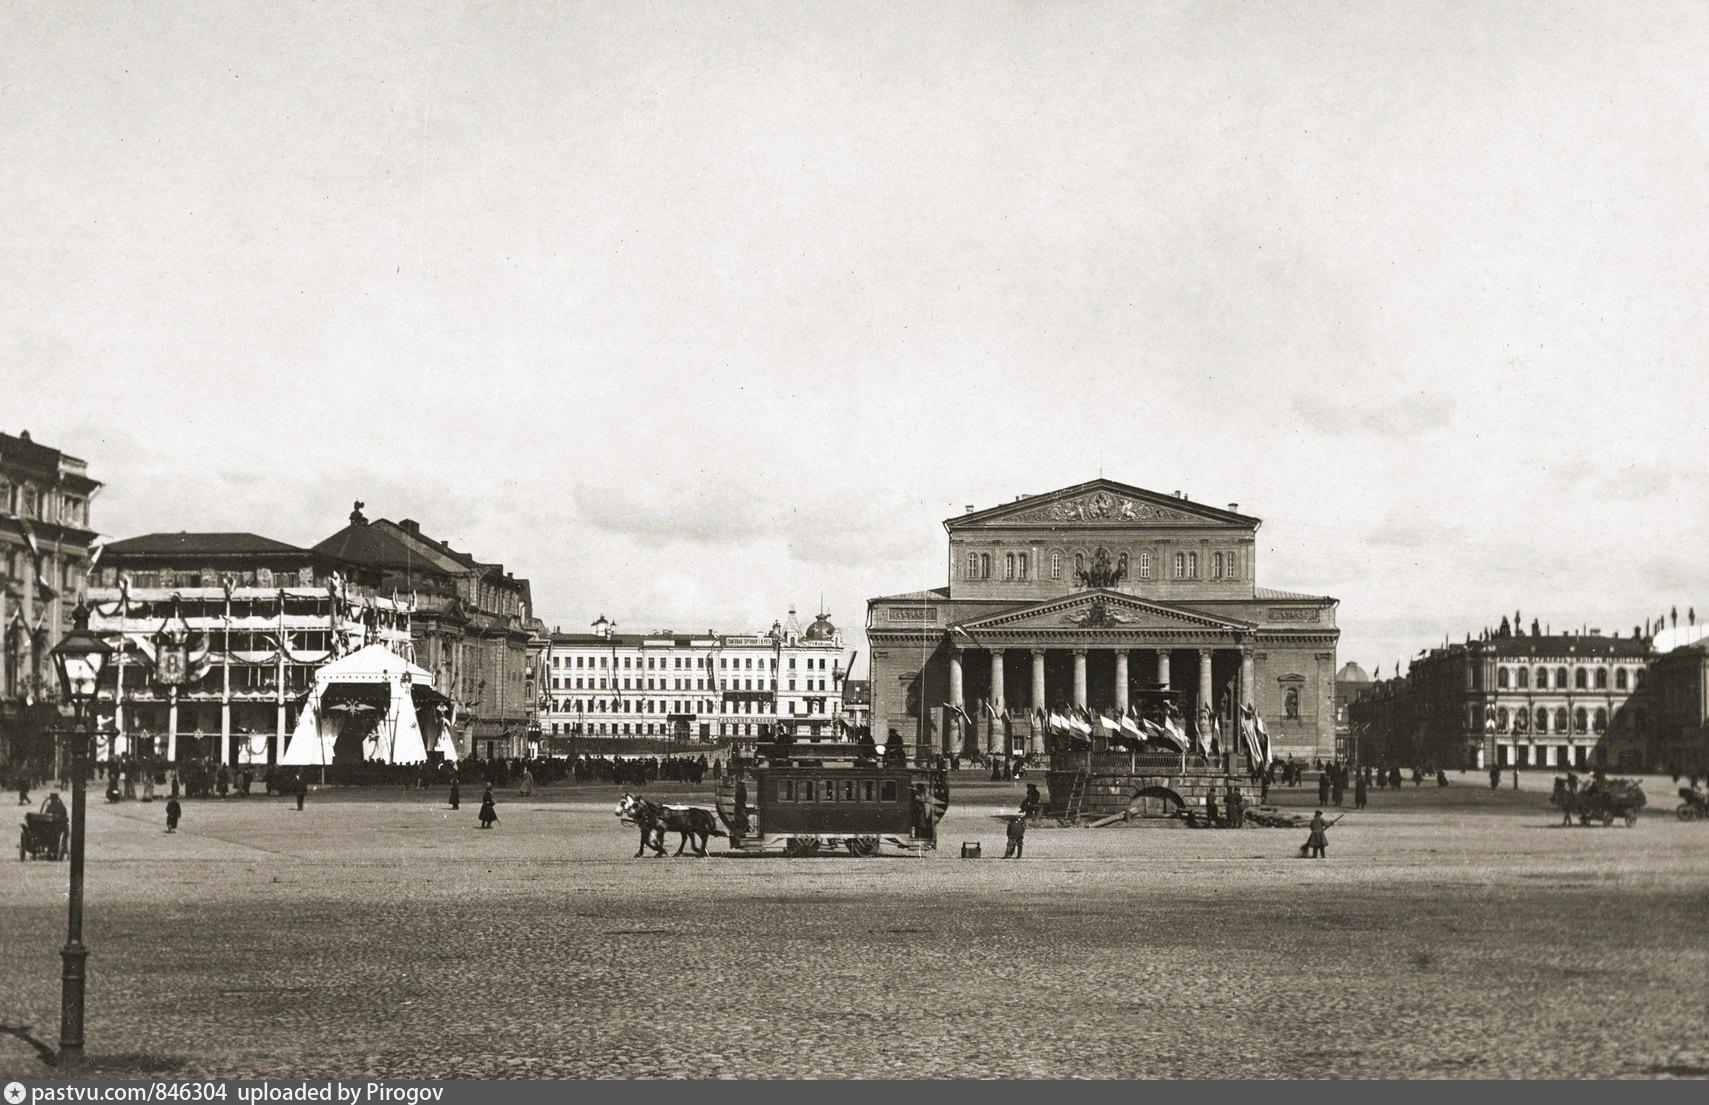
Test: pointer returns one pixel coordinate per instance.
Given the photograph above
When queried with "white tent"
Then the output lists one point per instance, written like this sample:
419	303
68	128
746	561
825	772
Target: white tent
396	738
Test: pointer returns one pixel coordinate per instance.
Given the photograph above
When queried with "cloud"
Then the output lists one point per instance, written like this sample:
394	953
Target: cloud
1402	417
652	513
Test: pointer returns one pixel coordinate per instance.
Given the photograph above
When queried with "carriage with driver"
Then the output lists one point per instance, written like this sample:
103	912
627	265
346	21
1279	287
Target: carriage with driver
1602	801
820	797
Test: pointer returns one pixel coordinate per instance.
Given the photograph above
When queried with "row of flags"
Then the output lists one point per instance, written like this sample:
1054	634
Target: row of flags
1131	726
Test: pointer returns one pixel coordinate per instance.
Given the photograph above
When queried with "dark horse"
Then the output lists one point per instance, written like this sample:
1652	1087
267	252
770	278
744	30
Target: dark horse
656	820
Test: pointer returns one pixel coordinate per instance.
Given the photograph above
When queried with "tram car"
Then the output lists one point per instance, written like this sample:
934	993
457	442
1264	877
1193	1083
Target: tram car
824	797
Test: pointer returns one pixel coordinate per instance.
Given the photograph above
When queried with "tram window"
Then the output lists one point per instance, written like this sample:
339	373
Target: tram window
848	790
866	790
831	790
788	794
887	792
807	791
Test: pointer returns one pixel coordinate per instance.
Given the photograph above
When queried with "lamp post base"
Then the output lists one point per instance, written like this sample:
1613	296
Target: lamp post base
74	957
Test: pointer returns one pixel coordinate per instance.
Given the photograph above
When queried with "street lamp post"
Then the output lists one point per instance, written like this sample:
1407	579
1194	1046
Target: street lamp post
79	659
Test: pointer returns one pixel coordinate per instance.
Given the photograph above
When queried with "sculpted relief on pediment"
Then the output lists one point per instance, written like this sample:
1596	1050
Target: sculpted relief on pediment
1101	506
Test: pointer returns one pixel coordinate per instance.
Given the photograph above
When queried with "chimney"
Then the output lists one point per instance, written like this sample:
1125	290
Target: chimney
1234	508
969	509
410	525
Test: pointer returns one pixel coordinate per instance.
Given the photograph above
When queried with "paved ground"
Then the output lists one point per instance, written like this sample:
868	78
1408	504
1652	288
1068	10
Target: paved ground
1450	933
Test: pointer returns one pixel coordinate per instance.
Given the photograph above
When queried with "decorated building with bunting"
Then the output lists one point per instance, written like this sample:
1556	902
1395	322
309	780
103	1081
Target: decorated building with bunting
218	637
1087	600
694	686
45	542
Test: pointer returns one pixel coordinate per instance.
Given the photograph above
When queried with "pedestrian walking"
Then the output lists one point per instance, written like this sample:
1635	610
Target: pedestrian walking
1323	788
456	794
23	789
1319	839
223	780
1359	792
1335	789
1017	838
489	810
527	783
1236	804
301	789
148	783
1210	806
1494	778
173	812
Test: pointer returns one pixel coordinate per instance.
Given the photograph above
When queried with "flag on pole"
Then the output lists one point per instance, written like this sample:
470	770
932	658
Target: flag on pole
1129	725
1108	723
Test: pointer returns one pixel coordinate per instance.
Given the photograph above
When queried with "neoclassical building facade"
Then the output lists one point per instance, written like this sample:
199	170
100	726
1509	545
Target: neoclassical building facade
1087	596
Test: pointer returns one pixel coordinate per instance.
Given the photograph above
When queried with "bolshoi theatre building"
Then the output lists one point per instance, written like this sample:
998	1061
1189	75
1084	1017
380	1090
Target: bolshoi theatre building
1093	597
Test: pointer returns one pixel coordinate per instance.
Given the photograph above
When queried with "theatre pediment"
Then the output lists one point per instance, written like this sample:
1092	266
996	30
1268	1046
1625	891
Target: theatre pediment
1101	503
1105	610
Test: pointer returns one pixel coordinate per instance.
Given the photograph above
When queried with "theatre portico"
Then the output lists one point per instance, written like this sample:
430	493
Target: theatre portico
1089	597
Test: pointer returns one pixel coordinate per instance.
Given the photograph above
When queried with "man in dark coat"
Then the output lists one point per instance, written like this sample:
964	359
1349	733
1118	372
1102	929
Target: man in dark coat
1236	805
1033	802
173	812
301	789
1323	787
1359	791
456	793
741	808
489	809
1335	789
1494	777
1017	838
1210	806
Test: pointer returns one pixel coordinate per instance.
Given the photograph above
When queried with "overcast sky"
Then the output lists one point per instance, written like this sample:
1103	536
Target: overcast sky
689	312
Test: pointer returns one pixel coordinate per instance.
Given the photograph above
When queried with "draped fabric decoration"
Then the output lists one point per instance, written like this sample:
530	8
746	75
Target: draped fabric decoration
345	688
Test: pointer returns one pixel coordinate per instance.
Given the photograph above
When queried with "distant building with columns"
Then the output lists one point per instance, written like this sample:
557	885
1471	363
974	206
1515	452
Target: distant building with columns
1086	596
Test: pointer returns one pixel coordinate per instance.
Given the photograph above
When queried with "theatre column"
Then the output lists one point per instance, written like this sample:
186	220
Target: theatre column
1038	679
1163	667
955	679
1247	679
1080	678
1121	680
998	702
1207	704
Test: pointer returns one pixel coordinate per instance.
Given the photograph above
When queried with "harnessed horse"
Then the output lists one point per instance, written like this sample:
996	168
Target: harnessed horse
655	820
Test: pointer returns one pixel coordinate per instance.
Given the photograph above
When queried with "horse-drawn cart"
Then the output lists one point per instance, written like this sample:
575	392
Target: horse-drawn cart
43	836
1695	806
1603	801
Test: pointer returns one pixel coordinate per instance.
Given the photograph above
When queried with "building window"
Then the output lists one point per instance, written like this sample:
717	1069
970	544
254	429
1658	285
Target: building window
1232	566
1501	720
1216	565
1561	679
1581	720
1521	721
1601	720
1579	679
1501	682
1055	565
1619	679
1542	679
1602	679
972	565
1008	565
1542	720
1560	719
984	565
1524	677
1021	561
1180	565
1192	565
1079	566
1121	566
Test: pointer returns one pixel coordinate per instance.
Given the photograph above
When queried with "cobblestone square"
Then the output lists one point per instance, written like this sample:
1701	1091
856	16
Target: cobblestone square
1450	933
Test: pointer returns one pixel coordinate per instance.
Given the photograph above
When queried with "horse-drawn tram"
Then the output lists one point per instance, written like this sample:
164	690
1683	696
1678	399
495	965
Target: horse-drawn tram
808	799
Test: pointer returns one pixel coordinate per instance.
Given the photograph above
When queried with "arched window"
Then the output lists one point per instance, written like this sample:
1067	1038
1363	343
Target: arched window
985	565
1542	720
1601	720
1501	679
1561	679
1192	565
1079	566
1008	565
1581	720
1144	565
1560	719
1620	679
1639	685
1022	561
1501	720
1055	565
972	565
1180	565
1579	679
1521	721
1524	677
1216	565
1542	679
1602	679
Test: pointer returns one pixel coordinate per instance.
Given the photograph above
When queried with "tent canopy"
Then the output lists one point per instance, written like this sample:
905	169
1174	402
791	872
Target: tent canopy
395	736
373	664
